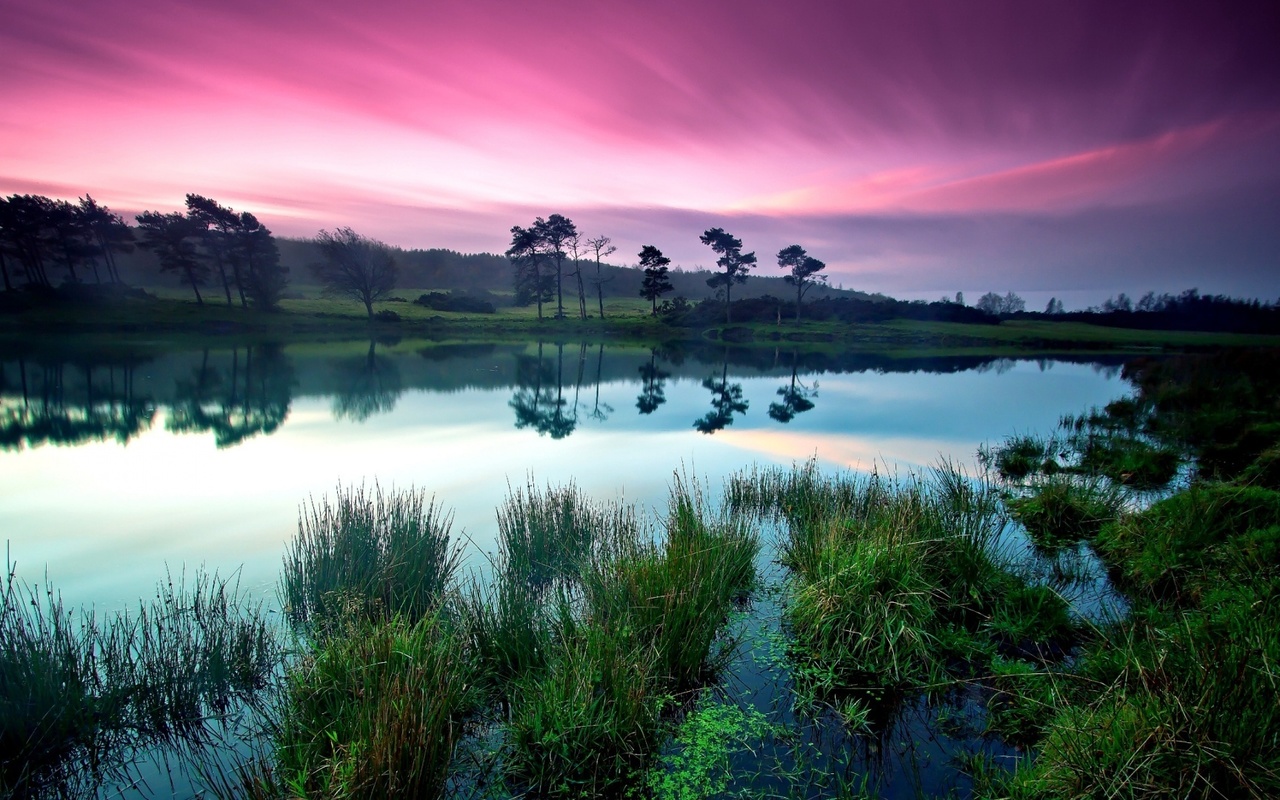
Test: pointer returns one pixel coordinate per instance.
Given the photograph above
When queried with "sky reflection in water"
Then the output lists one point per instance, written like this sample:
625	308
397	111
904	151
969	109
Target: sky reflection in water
107	519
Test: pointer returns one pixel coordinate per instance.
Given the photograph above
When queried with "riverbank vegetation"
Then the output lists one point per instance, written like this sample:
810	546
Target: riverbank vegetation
603	651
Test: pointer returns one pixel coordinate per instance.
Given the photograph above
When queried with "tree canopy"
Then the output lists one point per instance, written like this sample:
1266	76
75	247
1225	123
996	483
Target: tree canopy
732	261
355	266
804	270
656	283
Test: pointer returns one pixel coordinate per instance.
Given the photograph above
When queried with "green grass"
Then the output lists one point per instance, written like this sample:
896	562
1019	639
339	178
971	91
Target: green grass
1063	509
371	553
594	624
376	711
79	692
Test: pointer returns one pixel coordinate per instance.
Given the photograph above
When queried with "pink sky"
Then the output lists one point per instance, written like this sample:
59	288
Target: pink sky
916	147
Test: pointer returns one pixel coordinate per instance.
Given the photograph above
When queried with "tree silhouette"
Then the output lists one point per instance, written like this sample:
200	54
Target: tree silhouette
795	397
68	236
653	393
65	403
535	404
726	400
264	278
172	238
655	283
355	266
215	225
554	234
732	260
109	232
239	402
24	219
804	271
526	256
600	411
601	246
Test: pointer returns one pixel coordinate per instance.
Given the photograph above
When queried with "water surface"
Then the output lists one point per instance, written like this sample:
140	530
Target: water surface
118	466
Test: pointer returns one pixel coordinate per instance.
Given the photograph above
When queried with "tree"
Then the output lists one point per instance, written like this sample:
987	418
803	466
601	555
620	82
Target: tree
602	246
172	237
526	257
804	271
109	232
553	234
574	246
264	278
1054	306
68	236
959	298
732	260
24	219
655	283
355	266
215	224
994	304
1119	303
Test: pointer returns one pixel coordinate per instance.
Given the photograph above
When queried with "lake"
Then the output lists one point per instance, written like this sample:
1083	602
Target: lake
120	466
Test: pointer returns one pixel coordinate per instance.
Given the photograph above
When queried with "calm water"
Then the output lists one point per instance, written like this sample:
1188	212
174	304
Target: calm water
114	468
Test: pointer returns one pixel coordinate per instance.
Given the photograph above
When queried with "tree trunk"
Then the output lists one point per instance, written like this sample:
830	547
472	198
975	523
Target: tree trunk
195	286
600	289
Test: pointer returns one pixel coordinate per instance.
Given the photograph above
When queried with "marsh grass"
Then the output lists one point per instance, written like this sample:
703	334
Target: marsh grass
376	710
381	554
1063	509
899	583
79	695
1184	547
594	626
1169	705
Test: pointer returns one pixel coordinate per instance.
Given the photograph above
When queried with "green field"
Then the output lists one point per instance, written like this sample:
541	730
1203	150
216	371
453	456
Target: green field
172	316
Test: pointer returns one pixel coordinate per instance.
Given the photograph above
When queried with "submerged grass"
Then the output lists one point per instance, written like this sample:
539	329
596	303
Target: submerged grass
897	582
1063	509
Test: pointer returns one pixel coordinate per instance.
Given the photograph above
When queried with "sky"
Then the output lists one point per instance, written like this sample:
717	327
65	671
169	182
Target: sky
918	148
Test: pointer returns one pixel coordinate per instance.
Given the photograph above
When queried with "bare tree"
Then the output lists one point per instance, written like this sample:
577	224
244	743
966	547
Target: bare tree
602	246
355	266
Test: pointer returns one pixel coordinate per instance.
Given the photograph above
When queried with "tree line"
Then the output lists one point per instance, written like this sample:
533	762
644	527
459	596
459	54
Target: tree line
42	239
542	252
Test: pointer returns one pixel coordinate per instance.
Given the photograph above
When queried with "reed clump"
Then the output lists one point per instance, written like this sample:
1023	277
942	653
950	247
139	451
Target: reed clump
77	690
386	554
586	646
898	582
377	710
1063	509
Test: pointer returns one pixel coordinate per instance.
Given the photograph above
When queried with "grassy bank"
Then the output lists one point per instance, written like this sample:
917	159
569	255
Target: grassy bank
308	319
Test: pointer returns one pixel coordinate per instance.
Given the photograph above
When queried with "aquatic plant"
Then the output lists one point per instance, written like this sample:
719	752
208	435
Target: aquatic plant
383	554
1063	509
77	691
376	710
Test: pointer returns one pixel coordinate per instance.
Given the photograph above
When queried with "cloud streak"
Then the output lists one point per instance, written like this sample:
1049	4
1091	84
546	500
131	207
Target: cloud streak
988	129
